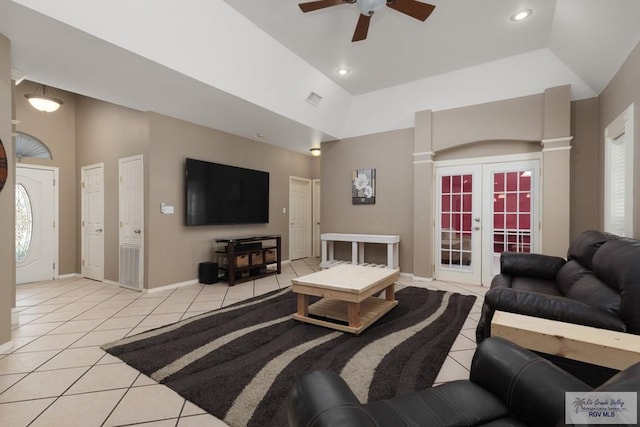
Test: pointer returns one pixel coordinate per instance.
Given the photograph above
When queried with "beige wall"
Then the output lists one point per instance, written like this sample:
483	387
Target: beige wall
7	198
106	133
510	119
585	166
390	153
403	160
57	131
175	250
87	131
622	91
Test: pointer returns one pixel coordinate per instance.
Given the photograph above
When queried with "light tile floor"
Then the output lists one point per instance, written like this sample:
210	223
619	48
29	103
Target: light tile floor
57	375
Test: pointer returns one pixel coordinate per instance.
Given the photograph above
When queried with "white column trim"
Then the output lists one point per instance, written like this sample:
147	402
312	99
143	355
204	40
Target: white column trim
556	144
428	154
552	140
546	150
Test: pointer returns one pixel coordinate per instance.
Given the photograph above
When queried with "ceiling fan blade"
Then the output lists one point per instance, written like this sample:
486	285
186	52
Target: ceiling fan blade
362	28
319	4
413	8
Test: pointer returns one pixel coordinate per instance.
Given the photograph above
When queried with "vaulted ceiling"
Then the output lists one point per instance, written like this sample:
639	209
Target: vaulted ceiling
248	66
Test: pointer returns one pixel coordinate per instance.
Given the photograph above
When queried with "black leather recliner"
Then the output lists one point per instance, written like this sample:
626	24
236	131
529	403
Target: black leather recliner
508	386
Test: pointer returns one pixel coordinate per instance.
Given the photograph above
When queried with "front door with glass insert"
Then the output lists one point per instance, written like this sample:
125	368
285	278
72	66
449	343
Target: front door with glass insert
35	224
481	211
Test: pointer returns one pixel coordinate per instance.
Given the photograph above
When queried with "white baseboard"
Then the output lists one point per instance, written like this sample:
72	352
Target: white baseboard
169	287
68	276
15	317
110	282
422	279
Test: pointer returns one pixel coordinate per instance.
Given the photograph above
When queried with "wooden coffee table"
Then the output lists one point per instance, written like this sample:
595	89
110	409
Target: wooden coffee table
347	303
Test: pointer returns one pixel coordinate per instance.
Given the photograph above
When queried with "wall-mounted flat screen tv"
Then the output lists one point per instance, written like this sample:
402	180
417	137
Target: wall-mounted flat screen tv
222	194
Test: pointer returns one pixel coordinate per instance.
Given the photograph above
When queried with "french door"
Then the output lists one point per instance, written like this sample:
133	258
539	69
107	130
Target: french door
483	210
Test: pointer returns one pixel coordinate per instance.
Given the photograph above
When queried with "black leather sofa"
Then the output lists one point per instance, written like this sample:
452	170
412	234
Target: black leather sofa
508	386
598	285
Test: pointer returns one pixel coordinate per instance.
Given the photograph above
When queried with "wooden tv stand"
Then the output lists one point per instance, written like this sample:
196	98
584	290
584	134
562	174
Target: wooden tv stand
248	258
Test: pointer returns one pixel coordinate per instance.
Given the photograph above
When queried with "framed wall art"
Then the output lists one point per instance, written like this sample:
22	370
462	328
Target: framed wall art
363	187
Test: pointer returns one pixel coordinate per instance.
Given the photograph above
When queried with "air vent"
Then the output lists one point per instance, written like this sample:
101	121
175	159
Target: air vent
314	99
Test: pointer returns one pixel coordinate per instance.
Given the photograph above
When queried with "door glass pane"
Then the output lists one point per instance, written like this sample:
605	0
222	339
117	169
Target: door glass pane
512	212
456	221
24	223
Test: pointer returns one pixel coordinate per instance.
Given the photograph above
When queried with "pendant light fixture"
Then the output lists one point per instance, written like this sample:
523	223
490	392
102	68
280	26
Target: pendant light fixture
42	101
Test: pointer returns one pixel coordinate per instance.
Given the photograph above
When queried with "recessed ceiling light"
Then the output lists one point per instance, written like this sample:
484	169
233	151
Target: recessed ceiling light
523	14
343	71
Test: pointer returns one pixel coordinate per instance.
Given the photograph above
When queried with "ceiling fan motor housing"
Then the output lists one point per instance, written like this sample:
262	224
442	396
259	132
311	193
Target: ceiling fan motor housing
368	7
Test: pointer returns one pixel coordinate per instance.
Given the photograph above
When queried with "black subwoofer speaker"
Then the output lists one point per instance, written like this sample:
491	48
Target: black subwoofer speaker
208	272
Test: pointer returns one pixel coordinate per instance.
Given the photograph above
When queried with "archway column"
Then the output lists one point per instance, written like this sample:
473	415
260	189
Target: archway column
556	166
556	201
423	197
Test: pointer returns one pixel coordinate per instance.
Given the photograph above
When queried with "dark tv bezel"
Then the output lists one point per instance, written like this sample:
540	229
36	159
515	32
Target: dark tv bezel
265	218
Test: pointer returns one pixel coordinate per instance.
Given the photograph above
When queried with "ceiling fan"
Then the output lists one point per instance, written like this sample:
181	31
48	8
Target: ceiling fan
413	8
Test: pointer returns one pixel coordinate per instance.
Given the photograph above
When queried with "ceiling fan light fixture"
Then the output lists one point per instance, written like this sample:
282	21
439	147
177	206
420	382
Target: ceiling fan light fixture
368	7
521	15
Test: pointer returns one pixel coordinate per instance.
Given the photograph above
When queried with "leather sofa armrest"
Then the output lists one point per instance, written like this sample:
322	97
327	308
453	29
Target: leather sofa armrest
530	265
551	307
322	398
533	388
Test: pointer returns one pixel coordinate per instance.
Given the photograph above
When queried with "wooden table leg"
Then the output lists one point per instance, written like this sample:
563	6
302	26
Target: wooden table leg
389	292
354	314
303	305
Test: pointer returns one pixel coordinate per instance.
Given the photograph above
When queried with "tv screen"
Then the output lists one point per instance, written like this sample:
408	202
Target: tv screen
222	194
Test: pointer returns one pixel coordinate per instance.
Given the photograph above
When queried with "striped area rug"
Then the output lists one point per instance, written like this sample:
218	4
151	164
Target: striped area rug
238	363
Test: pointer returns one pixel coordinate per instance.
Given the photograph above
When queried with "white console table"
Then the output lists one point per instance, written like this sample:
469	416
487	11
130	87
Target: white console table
357	248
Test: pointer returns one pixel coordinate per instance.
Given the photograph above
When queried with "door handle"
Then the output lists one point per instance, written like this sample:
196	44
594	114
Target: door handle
99	230
477	227
476	219
137	231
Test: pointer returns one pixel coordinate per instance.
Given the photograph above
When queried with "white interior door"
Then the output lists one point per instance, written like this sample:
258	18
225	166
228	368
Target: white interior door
316	218
299	218
483	210
131	213
92	222
36	219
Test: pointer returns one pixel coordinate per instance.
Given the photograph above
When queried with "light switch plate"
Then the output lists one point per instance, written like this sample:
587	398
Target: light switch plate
166	209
